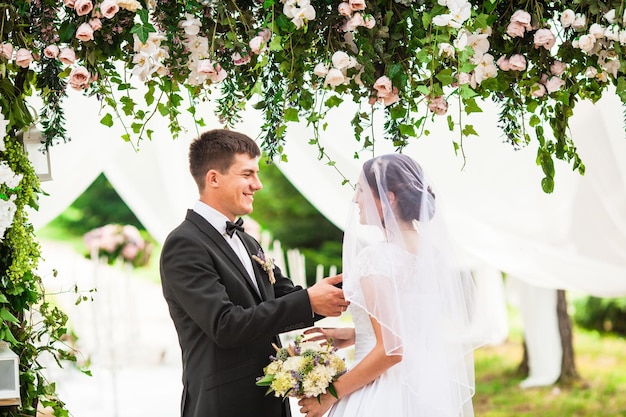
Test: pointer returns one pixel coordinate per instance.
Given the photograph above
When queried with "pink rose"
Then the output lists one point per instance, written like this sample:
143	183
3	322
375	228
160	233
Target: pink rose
6	50
383	86
51	51
354	22
84	32
554	84
517	62
334	77
356	5
67	56
391	98
23	57
523	18
83	7
438	105
109	8
545	38
206	67
503	63
557	68
239	60
515	30
257	45
79	78
344	9
369	21
69	3
537	90
95	23
265	34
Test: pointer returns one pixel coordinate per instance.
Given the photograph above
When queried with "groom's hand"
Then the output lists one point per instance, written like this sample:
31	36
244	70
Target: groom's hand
326	298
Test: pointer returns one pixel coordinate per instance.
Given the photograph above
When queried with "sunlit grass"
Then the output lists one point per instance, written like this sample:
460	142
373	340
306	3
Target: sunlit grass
601	391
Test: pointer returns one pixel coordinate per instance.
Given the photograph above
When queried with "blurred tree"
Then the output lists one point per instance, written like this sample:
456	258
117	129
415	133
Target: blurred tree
99	204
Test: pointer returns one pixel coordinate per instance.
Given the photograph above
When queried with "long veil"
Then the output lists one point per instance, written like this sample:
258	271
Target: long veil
399	266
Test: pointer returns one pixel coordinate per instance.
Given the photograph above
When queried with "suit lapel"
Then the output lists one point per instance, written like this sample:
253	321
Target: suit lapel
228	251
262	280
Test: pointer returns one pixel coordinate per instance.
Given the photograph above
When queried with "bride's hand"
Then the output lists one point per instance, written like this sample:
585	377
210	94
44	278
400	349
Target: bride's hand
314	407
340	337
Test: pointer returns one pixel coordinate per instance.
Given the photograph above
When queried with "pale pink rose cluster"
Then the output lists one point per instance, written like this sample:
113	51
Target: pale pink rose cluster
337	73
352	11
299	11
386	93
458	13
258	44
437	105
601	40
23	57
80	78
547	85
516	62
202	68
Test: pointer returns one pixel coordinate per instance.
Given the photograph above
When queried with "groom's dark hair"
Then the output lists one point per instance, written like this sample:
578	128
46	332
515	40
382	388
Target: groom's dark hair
216	149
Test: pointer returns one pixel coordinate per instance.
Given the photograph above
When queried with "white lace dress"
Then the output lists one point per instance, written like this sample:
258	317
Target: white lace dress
384	396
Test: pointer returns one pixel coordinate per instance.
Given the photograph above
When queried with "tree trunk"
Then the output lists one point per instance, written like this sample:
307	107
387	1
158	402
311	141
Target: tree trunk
568	365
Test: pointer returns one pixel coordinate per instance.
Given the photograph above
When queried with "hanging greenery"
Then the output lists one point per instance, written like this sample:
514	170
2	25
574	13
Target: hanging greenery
293	61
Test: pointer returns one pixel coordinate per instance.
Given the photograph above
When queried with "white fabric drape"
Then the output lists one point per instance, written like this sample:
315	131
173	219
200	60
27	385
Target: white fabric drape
573	239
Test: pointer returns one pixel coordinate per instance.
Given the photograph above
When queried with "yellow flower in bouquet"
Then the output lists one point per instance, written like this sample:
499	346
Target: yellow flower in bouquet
304	369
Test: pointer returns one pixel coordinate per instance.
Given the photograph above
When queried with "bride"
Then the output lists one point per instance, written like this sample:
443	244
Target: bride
409	302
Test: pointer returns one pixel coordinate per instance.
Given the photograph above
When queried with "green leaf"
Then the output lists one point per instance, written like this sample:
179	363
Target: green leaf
291	115
3	299
143	29
469	130
107	120
265	381
406	130
445	76
7	316
276	43
471	106
333	101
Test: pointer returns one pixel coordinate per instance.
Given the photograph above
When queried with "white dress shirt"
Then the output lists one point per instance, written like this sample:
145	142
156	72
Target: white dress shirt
218	221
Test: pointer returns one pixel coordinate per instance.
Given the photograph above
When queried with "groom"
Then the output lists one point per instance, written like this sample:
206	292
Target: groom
227	302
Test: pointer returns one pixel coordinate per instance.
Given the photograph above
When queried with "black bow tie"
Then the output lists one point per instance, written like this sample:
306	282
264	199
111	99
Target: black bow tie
231	227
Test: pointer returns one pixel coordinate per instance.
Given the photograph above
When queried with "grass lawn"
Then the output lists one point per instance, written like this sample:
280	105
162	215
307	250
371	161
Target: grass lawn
601	392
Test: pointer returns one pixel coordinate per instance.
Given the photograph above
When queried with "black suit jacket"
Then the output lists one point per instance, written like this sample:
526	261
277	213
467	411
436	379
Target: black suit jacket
225	328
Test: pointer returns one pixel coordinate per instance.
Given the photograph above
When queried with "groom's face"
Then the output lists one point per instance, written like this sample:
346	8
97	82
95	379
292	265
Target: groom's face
234	189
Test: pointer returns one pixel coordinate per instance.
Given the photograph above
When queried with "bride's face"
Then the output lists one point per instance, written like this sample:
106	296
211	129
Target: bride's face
363	193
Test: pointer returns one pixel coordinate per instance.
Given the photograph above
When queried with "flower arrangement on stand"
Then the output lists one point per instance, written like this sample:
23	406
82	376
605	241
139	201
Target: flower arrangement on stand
118	242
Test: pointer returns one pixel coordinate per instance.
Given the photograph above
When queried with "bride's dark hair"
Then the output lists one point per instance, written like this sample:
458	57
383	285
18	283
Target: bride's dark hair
404	177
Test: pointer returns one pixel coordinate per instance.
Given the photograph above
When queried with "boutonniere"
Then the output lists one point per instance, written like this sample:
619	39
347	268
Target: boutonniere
266	264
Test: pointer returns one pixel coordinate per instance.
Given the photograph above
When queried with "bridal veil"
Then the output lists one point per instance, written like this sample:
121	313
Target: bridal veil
399	265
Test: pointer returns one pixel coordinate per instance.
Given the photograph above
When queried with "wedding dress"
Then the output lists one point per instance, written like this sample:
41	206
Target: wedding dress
399	268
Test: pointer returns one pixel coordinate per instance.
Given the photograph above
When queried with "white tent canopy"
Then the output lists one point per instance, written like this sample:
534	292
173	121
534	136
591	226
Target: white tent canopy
573	239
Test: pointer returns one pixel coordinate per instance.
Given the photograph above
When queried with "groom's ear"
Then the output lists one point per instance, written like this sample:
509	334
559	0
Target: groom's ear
211	178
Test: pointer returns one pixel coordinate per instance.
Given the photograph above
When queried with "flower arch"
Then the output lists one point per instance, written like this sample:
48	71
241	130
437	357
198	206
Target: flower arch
294	61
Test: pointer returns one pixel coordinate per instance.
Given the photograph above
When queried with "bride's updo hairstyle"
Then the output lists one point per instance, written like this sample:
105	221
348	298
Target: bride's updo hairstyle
402	176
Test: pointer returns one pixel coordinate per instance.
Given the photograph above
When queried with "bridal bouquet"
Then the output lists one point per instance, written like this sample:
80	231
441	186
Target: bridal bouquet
305	369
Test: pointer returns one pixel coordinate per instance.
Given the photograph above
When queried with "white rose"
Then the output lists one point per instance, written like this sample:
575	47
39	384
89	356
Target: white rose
597	30
591	72
320	70
567	18
334	77
622	37
610	16
340	60
586	42
580	22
